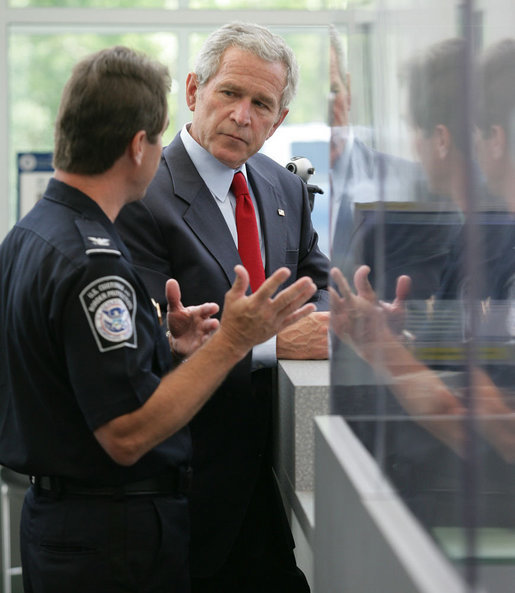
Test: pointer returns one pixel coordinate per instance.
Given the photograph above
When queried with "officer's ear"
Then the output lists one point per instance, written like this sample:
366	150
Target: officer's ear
136	148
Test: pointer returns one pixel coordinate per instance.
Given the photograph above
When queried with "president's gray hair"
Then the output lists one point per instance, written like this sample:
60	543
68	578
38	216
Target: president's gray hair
252	38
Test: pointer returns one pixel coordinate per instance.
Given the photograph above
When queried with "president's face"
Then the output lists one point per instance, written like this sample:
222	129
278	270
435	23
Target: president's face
238	108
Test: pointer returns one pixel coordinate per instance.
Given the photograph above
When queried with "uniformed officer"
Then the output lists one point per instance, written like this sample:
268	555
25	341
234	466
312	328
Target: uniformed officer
85	406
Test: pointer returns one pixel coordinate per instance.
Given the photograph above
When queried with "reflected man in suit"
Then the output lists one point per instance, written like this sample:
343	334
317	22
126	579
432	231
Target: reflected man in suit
362	175
404	449
239	92
441	407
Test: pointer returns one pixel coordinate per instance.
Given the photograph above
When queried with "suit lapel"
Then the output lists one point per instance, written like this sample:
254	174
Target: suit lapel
205	219
202	215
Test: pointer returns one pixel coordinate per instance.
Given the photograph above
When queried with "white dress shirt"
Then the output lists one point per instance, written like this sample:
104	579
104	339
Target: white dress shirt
218	178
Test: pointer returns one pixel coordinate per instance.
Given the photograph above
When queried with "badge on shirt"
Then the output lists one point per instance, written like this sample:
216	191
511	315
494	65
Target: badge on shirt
110	307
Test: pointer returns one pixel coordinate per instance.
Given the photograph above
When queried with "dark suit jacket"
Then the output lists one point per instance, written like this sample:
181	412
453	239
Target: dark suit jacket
178	231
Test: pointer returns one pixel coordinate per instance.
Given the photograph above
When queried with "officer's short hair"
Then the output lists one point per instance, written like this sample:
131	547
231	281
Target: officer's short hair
495	81
436	89
255	39
110	96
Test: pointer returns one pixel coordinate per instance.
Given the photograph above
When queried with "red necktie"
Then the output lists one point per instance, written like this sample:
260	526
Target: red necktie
248	236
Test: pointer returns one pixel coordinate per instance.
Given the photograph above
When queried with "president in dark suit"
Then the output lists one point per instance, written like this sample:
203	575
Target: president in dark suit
185	228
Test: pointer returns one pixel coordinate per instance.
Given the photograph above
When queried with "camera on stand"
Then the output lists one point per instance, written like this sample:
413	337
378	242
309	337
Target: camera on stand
302	167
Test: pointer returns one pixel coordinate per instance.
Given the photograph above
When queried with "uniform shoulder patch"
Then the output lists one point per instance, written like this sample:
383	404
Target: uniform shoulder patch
96	238
110	307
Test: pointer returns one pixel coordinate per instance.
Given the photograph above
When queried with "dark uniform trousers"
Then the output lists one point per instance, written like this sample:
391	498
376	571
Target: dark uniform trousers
99	544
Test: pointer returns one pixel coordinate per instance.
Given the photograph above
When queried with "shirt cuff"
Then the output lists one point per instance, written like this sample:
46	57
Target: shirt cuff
264	355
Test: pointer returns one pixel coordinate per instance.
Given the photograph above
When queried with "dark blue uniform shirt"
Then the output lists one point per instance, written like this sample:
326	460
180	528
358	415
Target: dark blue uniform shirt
80	344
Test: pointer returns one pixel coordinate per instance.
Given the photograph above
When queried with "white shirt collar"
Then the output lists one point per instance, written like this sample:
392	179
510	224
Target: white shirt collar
217	176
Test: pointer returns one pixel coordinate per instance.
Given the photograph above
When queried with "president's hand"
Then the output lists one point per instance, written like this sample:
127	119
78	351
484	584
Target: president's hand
305	340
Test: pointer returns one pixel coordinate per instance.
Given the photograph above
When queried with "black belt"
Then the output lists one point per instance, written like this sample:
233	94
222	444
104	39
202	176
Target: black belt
176	482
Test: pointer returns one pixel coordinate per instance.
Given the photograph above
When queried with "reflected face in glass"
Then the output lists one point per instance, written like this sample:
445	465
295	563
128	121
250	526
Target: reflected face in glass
238	108
483	158
340	94
490	150
426	152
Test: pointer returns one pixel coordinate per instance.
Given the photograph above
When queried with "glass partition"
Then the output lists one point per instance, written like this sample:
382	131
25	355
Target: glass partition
422	179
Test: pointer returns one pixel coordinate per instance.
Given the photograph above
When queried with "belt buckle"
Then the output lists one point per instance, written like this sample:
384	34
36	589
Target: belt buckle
53	485
35	484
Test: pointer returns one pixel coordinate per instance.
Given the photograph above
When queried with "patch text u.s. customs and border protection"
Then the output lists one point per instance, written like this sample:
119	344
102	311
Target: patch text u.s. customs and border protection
110	307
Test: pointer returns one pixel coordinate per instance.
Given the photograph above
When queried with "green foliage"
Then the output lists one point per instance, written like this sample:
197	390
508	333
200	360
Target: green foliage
196	4
39	66
172	4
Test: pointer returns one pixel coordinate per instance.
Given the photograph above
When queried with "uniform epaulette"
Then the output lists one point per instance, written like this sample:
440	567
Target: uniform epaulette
96	238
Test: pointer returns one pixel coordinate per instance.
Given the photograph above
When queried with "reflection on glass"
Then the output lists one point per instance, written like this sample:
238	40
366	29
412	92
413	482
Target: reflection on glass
423	309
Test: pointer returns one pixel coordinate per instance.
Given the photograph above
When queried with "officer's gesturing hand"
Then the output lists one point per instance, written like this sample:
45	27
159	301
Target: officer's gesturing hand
251	320
246	321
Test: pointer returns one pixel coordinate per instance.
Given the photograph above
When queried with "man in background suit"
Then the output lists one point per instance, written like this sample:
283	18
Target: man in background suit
368	185
185	228
473	304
